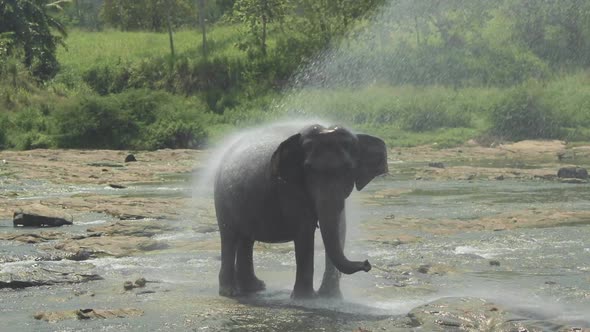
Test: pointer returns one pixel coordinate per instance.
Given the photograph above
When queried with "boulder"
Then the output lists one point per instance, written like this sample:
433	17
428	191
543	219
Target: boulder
38	215
572	172
130	158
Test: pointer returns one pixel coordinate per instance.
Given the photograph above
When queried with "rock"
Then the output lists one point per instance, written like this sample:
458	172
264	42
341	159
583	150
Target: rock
38	215
436	165
84	314
32	238
105	164
116	186
128	228
24	274
205	228
80	255
572	172
128	285
141	282
424	268
118	246
494	263
149	245
466	314
130	158
573	181
499	177
128	216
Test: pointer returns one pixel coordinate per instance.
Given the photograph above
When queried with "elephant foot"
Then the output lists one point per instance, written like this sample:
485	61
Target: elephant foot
303	294
228	291
330	292
251	285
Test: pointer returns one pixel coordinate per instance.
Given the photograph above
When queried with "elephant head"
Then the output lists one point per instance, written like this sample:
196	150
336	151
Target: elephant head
327	163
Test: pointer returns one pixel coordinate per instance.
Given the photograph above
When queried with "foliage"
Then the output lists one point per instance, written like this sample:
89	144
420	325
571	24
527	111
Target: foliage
137	119
557	31
147	15
522	113
26	32
414	72
84	14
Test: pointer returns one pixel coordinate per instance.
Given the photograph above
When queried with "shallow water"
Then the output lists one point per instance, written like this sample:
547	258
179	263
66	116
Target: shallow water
540	274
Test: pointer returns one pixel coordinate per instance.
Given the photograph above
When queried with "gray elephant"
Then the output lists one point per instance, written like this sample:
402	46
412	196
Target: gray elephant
274	187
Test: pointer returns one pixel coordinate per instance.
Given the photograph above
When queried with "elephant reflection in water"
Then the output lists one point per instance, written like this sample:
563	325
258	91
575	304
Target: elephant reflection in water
278	187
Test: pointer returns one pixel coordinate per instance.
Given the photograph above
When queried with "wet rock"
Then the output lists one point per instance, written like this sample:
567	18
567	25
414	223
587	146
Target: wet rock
494	263
118	246
127	228
130	158
80	255
572	172
128	216
573	181
37	215
499	177
141	282
436	165
32	238
83	314
104	164
116	186
465	314
150	245
24	274
424	268
205	228
128	285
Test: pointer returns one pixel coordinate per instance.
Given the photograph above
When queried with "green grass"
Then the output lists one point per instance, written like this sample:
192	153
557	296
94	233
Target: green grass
86	49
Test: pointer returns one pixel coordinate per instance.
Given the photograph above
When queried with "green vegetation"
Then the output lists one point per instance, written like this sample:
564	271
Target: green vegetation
411	71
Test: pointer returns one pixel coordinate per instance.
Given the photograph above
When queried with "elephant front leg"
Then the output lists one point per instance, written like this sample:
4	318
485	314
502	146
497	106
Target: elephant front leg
304	243
330	287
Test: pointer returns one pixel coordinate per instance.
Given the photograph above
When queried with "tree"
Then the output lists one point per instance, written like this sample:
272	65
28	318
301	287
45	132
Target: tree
203	25
26	28
557	31
147	15
257	14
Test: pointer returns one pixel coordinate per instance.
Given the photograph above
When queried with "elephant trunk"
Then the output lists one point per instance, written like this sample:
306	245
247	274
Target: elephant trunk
329	218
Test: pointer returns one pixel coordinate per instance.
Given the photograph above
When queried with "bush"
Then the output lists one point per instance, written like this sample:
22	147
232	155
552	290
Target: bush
174	134
30	128
136	119
523	114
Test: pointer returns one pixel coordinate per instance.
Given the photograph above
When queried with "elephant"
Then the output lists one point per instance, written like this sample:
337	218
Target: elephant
279	186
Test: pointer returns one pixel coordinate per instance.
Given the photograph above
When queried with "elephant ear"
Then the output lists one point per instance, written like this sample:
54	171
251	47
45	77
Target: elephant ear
287	161
372	159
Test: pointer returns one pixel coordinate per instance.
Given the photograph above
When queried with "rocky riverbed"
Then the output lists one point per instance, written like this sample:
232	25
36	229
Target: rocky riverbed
465	239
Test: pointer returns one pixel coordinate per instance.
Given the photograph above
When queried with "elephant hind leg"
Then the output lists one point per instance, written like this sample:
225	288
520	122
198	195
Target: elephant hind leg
227	284
246	279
